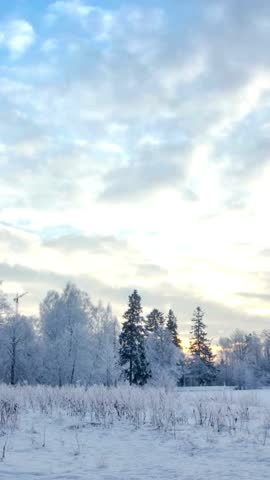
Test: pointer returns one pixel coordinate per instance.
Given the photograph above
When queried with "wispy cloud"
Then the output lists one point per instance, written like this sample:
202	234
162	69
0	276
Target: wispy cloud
71	8
141	126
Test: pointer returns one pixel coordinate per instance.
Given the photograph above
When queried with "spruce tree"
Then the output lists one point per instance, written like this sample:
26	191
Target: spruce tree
202	367
155	320
132	346
171	325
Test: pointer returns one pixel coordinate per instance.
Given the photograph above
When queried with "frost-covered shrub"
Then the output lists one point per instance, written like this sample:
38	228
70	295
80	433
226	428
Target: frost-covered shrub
9	410
224	411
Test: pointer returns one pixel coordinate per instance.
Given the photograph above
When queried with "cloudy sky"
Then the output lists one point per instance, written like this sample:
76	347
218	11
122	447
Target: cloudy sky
134	153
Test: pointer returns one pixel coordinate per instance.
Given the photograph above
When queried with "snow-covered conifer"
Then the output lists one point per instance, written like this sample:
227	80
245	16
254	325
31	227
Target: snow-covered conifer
132	343
154	320
172	328
201	364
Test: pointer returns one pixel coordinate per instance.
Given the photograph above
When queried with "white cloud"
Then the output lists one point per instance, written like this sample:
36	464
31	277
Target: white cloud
49	45
71	8
17	36
168	124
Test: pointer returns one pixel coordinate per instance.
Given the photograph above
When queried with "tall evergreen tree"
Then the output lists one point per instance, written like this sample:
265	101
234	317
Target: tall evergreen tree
202	367
132	343
171	325
154	320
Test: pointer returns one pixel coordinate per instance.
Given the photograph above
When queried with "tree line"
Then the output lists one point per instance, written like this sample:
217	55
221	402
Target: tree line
72	341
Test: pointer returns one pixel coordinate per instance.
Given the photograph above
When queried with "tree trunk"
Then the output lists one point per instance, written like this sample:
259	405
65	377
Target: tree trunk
72	373
59	377
130	371
13	362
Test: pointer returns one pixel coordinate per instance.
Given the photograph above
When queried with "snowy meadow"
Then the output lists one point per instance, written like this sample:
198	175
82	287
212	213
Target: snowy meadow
128	432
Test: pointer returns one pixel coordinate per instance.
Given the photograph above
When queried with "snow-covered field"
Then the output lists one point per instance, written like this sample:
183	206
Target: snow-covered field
131	433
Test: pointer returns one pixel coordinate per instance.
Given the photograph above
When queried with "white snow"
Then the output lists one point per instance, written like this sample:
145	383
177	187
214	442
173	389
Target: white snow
134	434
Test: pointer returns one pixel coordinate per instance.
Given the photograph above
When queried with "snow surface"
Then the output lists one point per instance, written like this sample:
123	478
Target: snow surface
129	434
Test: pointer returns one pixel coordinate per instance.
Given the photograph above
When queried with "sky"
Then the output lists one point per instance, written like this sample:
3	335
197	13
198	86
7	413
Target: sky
134	153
